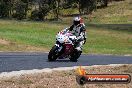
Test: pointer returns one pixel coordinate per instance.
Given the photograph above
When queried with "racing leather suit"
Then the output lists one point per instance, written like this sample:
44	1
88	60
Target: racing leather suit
80	32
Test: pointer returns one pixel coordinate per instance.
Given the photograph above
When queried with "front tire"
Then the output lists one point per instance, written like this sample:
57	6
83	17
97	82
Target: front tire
75	55
53	54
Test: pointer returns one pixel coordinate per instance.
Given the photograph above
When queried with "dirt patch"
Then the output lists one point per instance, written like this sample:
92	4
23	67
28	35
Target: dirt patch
65	79
4	42
7	46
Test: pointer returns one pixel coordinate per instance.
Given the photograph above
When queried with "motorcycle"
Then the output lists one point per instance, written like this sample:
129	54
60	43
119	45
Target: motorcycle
64	47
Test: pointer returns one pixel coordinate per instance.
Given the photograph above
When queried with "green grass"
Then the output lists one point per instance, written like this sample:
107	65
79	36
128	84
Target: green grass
106	41
32	33
109	32
42	35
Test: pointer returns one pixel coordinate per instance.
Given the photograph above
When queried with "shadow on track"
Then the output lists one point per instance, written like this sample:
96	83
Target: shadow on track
61	60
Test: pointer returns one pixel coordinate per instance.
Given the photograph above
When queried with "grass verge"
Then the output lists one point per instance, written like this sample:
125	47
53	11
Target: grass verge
40	36
109	32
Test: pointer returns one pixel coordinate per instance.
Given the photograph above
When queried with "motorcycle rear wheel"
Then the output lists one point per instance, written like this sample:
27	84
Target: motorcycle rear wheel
53	54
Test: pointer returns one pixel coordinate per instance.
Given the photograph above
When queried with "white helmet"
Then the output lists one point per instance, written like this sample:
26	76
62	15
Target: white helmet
76	20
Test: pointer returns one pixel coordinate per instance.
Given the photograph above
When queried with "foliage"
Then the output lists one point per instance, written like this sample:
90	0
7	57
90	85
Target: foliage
39	14
40	8
5	7
20	10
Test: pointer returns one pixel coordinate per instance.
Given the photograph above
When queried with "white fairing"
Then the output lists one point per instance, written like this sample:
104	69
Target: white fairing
65	37
61	37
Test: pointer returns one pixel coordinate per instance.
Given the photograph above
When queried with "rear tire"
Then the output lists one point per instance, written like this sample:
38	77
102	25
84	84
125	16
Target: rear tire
75	55
53	54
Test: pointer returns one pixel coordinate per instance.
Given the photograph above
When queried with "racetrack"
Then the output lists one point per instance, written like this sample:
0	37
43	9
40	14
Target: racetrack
28	61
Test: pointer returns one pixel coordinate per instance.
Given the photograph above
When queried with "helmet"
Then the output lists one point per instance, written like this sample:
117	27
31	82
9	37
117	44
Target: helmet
77	20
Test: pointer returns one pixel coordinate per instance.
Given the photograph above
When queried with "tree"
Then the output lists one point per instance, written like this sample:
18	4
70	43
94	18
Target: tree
20	10
86	6
5	8
105	3
102	3
55	7
42	11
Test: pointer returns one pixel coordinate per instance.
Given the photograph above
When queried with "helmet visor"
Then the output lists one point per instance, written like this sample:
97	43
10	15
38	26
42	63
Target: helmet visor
76	22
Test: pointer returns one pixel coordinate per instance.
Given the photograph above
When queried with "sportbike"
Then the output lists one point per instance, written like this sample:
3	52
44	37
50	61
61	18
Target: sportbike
64	47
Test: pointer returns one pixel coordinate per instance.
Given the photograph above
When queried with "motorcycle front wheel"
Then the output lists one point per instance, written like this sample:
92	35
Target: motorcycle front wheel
53	54
75	55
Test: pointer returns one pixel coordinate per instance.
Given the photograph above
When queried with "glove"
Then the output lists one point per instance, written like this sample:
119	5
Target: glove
79	39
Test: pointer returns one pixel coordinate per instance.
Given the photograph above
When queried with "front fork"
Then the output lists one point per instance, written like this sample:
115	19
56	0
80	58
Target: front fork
59	47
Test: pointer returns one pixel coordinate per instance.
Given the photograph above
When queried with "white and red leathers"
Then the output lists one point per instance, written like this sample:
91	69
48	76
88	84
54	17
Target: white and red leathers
80	32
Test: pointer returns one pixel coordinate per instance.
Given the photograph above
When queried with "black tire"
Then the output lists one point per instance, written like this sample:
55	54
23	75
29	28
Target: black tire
75	55
53	54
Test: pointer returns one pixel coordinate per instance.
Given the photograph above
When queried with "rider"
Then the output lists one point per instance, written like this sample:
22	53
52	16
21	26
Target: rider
78	29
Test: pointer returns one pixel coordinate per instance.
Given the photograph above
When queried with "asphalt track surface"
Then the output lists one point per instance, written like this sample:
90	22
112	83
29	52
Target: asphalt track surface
28	61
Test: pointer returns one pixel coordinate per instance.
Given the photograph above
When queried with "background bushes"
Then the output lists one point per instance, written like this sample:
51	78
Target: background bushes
39	9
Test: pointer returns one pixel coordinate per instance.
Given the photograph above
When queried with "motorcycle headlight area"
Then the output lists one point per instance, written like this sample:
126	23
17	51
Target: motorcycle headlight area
61	38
